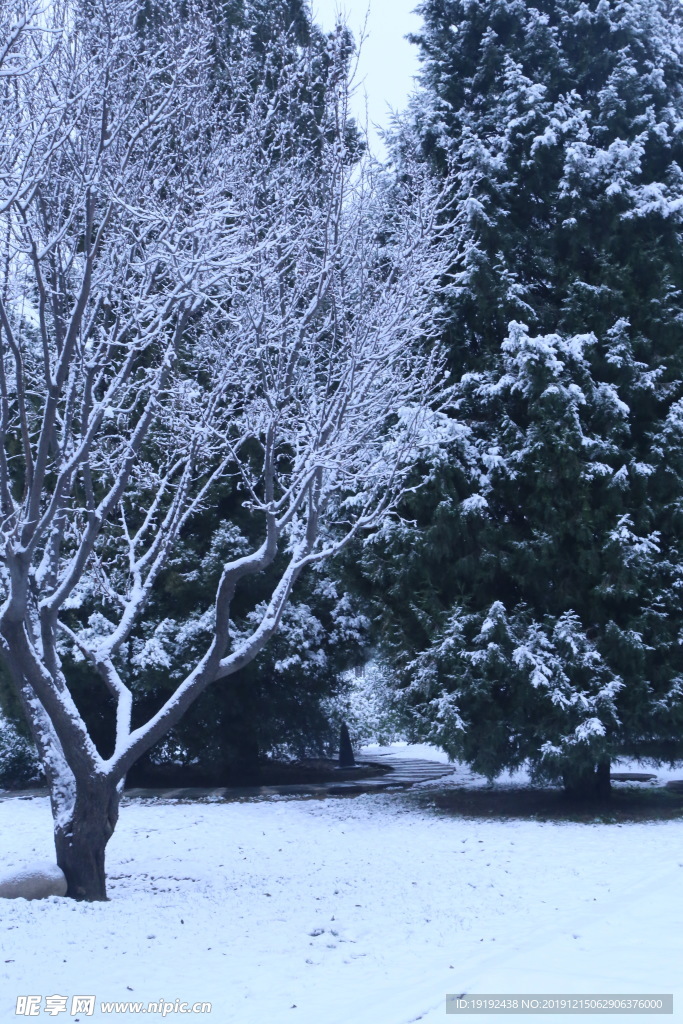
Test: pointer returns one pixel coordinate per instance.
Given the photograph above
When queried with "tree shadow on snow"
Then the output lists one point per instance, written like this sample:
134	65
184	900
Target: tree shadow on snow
625	804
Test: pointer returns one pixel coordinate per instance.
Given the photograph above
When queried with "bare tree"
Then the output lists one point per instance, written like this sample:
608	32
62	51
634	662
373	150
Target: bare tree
187	294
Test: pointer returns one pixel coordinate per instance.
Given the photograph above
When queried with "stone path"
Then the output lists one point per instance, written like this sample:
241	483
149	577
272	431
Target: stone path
23	794
404	772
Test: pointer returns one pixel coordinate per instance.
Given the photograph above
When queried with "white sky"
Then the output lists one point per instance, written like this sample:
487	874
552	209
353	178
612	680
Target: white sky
388	61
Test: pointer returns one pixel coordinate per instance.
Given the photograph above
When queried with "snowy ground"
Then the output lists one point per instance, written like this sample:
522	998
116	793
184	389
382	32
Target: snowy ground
360	910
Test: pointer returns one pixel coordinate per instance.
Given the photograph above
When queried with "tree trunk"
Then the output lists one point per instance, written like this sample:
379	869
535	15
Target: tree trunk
589	782
602	778
346	758
80	841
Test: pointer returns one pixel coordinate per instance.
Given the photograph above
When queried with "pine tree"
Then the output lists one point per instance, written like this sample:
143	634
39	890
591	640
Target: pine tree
538	619
277	702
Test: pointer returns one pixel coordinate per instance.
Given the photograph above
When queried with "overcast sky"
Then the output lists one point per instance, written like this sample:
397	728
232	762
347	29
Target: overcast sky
388	60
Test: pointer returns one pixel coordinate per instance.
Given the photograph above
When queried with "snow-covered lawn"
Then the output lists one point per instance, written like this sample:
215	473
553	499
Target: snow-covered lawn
363	910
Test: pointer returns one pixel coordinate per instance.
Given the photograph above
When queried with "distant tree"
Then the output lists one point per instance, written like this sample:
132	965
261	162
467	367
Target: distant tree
186	298
541	597
277	703
19	765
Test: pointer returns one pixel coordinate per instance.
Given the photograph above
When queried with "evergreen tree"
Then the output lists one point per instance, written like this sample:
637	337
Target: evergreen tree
277	703
539	618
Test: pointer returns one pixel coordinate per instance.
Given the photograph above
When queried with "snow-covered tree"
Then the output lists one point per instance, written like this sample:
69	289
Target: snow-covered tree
19	765
276	702
186	296
543	598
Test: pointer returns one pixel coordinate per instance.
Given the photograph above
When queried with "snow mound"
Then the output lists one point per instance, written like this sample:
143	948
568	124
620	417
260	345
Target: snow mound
33	883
